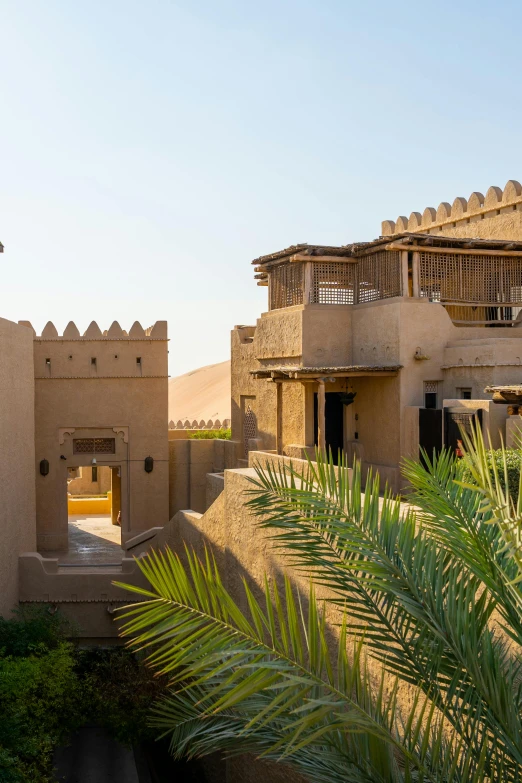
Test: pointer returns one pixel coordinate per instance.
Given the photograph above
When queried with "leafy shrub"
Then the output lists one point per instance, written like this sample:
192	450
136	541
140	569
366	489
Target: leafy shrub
30	628
222	434
48	689
495	457
39	698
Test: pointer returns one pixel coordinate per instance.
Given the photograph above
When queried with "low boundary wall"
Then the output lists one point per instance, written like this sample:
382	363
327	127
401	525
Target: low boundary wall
80	506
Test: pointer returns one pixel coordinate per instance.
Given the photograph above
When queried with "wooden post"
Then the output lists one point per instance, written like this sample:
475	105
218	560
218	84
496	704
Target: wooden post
404	270
308	273
321	417
279	417
416	270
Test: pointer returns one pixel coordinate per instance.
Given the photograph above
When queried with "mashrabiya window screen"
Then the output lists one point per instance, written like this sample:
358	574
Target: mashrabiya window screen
379	276
94	445
286	285
249	427
431	387
470	279
333	283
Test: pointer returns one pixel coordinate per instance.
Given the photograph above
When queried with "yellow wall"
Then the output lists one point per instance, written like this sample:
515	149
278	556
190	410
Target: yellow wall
89	505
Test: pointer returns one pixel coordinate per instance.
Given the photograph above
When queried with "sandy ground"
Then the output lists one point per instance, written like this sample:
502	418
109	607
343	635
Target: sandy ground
201	394
93	540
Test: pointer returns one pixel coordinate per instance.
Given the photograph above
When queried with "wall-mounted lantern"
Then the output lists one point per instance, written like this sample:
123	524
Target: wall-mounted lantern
44	467
148	464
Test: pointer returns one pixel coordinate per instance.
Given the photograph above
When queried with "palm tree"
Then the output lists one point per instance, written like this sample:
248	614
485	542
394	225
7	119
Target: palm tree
429	593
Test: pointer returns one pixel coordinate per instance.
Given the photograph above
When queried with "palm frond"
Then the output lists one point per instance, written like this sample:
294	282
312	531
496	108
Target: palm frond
424	612
265	680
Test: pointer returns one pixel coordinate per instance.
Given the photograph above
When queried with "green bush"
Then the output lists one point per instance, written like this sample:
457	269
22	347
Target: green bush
495	457
48	689
222	434
30	628
39	698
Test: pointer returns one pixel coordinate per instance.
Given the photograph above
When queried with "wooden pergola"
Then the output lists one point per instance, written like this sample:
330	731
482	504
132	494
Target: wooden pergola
320	376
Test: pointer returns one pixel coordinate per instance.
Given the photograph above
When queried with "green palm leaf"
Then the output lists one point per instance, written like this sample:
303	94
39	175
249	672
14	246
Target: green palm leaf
425	613
265	681
430	592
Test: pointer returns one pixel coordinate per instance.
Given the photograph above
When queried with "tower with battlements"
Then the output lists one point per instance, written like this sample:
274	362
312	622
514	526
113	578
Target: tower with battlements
101	400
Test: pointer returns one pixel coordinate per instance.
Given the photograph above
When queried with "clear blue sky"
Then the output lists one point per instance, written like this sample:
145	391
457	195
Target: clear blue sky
149	150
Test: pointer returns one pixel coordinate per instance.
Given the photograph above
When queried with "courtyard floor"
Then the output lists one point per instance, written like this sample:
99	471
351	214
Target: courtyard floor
93	540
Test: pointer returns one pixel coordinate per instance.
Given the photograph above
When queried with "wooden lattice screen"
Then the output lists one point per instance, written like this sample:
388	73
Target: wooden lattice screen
333	283
375	276
249	428
286	285
93	445
379	276
476	289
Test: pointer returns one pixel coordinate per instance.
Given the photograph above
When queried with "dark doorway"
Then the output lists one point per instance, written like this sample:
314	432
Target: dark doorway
430	431
454	421
334	424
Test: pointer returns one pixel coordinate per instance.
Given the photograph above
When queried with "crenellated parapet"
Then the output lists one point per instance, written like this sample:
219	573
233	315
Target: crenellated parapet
476	208
211	424
157	331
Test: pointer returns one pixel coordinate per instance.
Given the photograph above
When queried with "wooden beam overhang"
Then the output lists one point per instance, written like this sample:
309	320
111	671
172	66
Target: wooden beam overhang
325	374
478	249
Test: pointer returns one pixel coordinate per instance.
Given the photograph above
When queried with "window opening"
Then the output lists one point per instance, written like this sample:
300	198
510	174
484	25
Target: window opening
94	473
465	394
431	394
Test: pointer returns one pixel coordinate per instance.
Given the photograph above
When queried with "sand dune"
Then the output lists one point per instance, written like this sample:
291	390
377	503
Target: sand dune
201	394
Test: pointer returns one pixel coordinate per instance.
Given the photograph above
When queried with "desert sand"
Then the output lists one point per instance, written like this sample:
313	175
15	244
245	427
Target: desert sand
201	394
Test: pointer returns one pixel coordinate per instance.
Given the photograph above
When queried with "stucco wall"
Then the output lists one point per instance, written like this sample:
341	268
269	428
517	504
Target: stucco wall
507	225
87	597
261	395
190	462
17	492
327	335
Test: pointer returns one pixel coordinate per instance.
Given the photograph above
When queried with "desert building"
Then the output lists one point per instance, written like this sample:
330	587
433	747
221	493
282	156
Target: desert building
101	401
87	410
380	348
